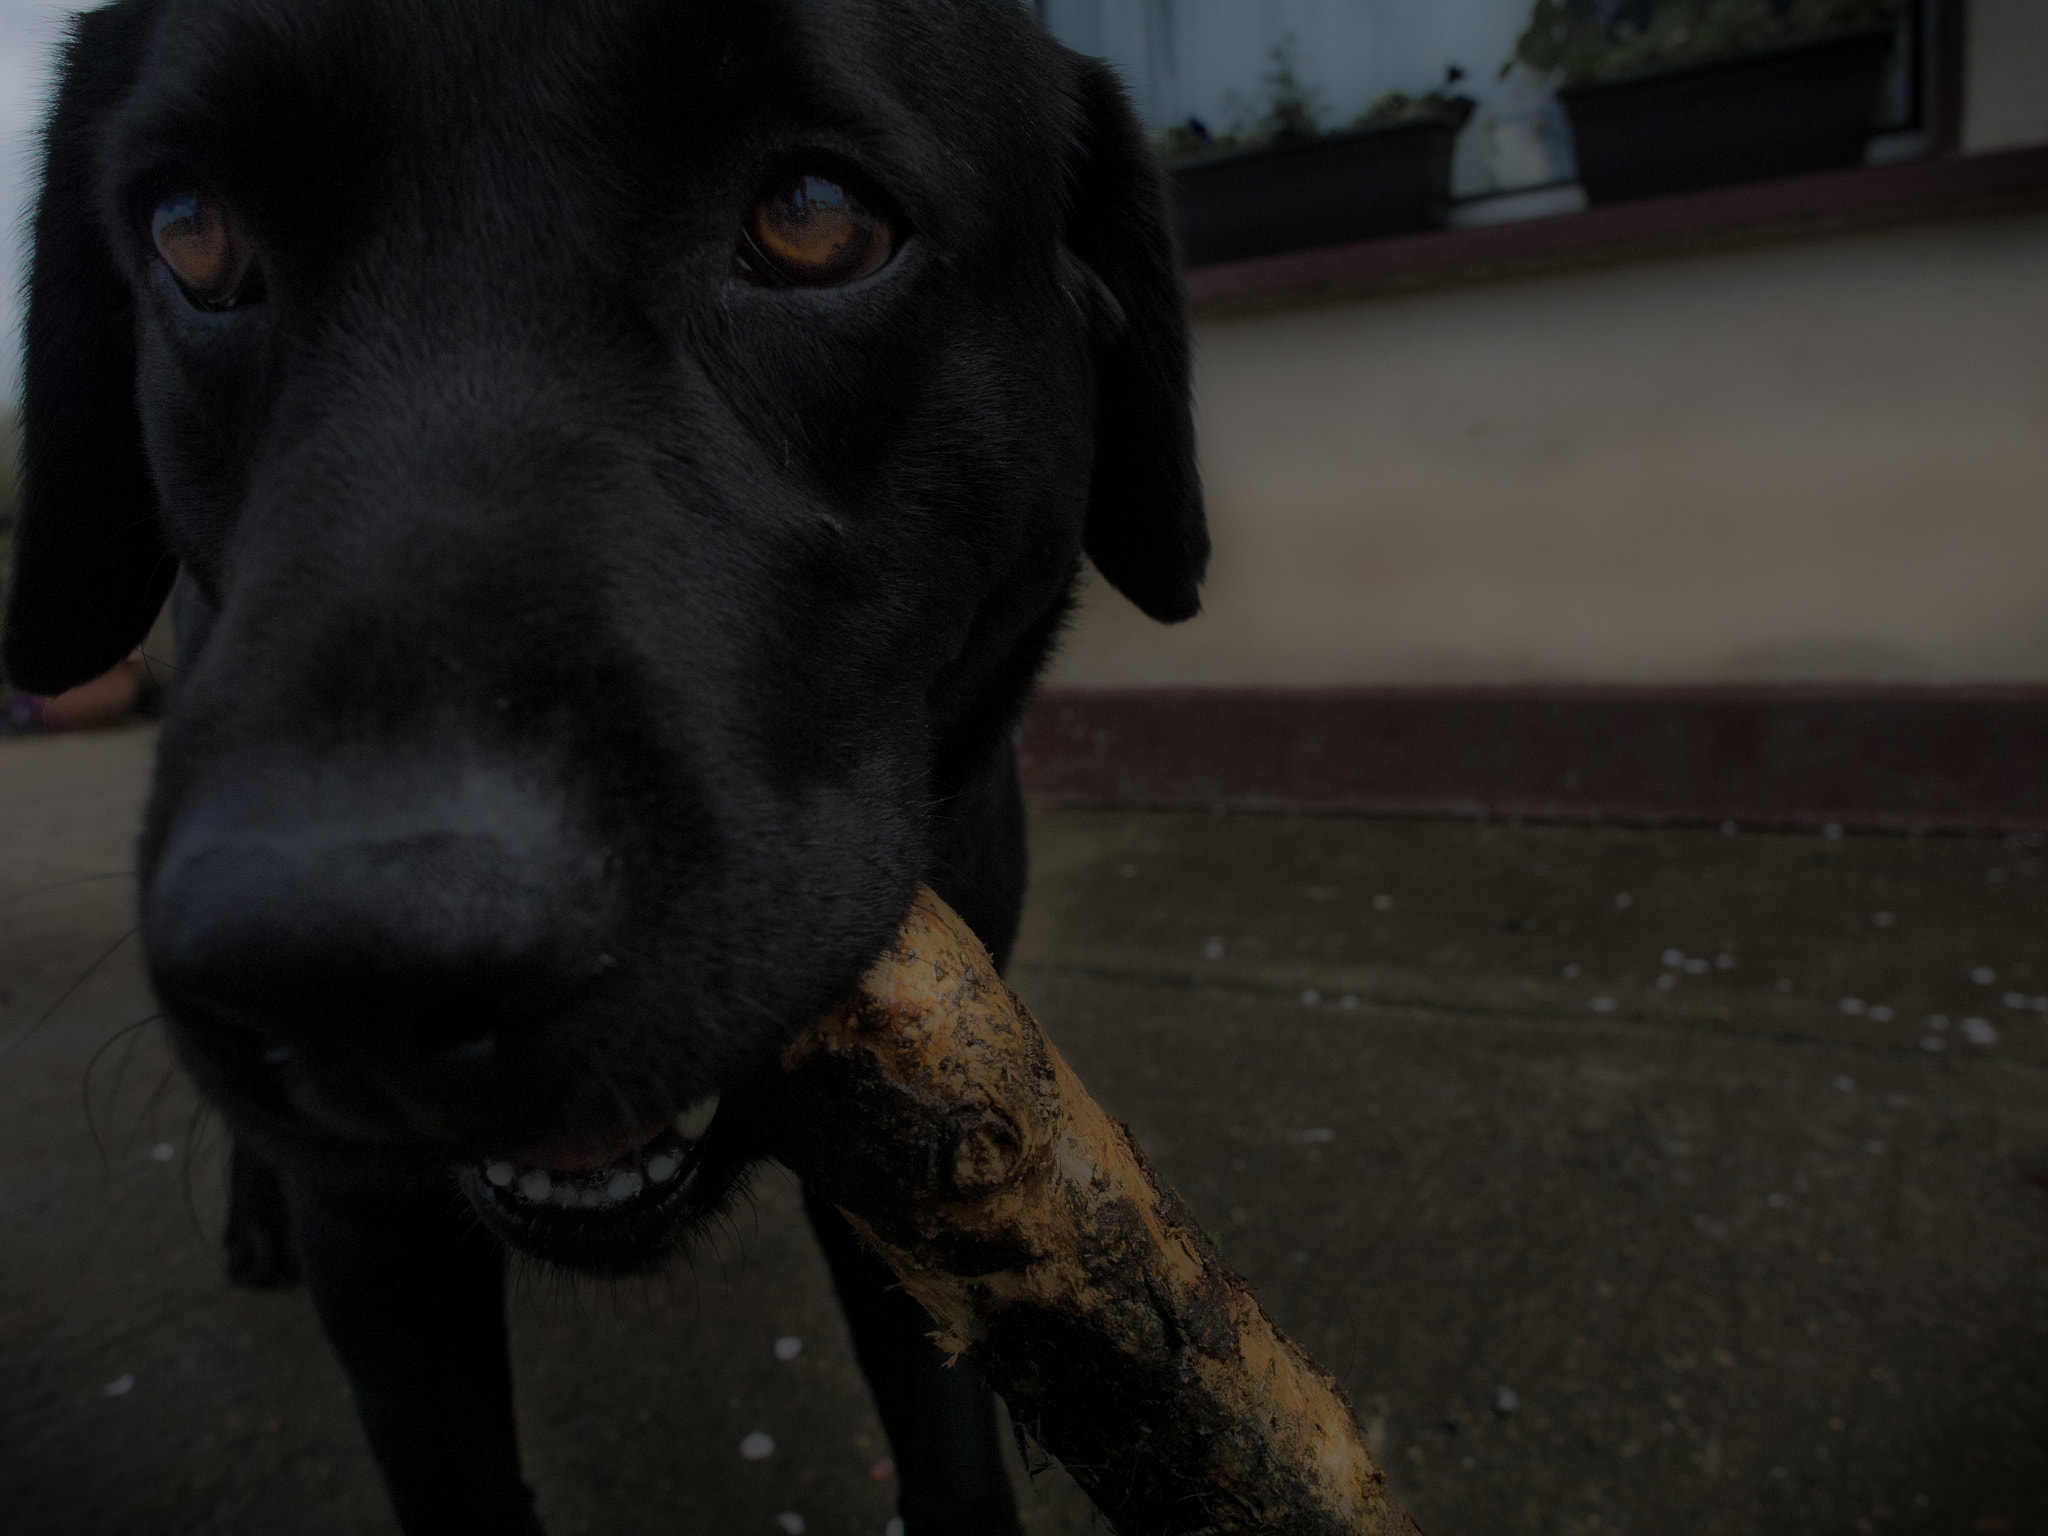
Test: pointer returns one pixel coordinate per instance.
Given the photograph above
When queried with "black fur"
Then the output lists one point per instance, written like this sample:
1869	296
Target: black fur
90	568
584	648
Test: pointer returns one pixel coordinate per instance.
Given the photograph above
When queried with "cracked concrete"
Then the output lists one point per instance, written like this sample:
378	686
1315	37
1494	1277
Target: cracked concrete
1757	1248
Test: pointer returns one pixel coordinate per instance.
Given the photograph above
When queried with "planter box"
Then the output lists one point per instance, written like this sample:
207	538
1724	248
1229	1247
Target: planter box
1330	191
1810	107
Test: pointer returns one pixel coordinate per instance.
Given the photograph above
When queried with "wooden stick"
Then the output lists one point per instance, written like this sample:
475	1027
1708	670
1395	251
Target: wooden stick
933	1111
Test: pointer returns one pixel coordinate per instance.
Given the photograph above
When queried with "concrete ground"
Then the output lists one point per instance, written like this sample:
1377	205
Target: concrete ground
1598	1238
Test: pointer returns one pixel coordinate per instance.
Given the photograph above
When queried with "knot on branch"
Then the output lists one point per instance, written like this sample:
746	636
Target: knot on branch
986	1153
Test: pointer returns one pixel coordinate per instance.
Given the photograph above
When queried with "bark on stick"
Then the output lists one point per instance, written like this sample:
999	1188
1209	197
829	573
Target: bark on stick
933	1111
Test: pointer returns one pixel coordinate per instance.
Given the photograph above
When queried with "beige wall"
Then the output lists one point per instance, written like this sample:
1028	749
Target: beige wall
1824	459
2005	91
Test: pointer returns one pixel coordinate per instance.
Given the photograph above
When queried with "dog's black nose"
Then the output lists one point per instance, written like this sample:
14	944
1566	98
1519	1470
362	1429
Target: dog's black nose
410	923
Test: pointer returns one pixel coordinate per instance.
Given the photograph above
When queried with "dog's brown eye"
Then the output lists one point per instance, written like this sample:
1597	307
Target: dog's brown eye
811	230
204	245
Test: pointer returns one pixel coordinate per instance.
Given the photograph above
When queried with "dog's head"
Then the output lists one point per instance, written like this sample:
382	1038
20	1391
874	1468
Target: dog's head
627	460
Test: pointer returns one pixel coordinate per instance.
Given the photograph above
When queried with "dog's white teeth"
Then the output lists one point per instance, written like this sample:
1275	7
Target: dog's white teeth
696	1120
623	1186
599	1187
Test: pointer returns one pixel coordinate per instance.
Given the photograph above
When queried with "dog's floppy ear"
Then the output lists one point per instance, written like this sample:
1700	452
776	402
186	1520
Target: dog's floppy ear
1146	531
90	568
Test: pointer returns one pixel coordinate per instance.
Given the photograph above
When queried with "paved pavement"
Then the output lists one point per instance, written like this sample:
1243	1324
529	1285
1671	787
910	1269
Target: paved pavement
1598	1241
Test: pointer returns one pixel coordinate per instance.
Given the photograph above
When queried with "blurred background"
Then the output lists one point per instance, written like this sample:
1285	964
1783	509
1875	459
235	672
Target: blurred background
1569	914
1773	432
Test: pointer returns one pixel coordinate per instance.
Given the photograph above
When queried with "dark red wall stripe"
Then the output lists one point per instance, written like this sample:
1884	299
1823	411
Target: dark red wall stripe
1936	757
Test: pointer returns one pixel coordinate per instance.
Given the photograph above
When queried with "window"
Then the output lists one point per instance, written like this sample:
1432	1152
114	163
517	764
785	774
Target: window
1214	63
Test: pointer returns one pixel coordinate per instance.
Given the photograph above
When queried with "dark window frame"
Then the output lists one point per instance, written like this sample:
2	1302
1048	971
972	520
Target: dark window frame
1945	183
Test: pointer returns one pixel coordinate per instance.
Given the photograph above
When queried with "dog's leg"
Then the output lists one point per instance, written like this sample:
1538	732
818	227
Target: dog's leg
941	1420
411	1292
258	1232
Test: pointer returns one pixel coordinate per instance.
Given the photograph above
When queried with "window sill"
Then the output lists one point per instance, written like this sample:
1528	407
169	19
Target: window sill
1834	200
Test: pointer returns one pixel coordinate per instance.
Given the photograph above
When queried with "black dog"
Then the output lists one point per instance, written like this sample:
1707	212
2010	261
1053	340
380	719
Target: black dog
623	463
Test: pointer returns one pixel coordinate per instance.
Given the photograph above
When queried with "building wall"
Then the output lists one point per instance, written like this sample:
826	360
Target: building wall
1816	460
2005	99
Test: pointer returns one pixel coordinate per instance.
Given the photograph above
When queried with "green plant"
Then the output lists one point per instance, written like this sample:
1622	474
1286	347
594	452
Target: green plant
1400	107
1192	140
1587	40
1294	114
1294	110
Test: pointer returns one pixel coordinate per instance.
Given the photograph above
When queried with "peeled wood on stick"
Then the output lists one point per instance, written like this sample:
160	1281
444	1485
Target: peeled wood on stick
934	1112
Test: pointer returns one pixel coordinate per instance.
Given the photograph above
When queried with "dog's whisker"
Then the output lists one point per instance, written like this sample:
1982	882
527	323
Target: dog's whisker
194	1130
127	1034
65	996
58	885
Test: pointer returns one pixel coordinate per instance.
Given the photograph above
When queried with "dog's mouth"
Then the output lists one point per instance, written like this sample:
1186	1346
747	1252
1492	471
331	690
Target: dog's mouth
608	1203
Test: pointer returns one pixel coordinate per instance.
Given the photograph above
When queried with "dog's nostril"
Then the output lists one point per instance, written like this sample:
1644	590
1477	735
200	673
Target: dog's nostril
411	922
